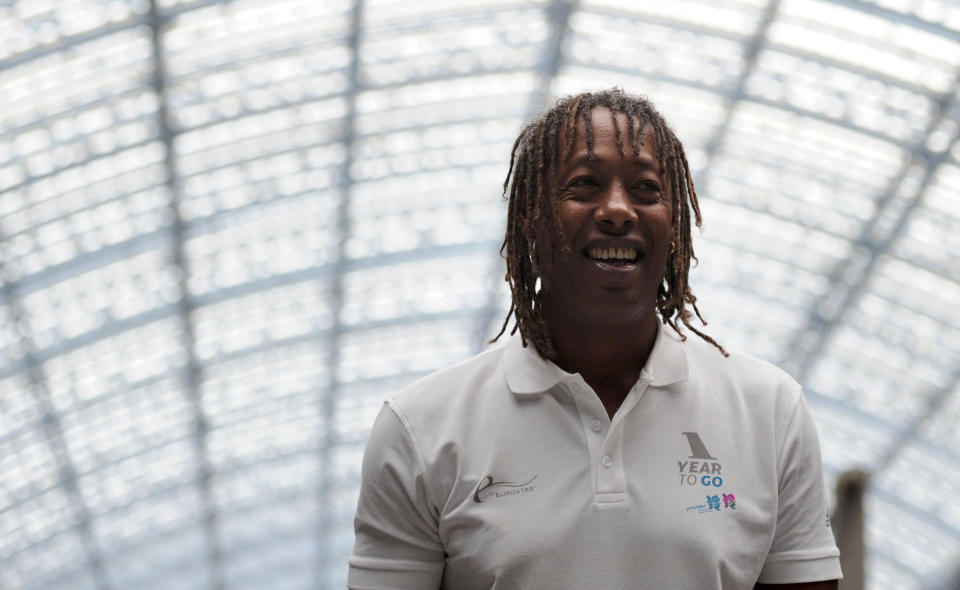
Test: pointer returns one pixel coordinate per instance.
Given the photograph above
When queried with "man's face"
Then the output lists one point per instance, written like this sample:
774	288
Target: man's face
616	214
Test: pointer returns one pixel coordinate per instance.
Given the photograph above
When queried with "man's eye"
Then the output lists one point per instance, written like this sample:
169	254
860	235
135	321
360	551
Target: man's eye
651	186
582	181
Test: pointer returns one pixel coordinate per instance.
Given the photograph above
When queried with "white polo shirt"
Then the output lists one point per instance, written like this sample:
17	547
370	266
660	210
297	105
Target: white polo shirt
505	472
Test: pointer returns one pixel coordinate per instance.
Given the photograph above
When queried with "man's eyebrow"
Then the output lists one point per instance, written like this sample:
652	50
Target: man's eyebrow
647	162
644	162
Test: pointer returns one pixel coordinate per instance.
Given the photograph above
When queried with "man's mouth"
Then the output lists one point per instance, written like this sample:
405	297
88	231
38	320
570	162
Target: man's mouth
613	255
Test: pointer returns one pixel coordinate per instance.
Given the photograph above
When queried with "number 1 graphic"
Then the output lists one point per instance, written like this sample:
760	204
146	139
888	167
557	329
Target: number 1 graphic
697	447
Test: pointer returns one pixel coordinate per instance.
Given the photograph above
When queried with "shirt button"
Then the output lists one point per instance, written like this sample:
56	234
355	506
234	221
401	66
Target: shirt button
595	426
607	461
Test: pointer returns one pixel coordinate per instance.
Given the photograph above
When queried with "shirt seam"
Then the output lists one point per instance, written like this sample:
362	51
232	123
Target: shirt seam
410	432
782	443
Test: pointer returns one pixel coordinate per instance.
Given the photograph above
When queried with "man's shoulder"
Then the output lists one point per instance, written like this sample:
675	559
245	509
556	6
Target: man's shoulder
738	369
447	390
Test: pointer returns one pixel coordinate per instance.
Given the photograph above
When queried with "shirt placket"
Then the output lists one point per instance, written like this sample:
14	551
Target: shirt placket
605	438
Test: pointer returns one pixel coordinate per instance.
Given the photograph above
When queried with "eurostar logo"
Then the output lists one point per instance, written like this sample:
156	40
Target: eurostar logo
488	488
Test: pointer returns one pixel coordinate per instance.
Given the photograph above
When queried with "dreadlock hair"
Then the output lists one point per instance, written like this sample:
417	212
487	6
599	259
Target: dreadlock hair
543	145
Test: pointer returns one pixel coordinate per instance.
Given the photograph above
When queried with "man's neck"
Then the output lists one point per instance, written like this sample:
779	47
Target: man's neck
610	362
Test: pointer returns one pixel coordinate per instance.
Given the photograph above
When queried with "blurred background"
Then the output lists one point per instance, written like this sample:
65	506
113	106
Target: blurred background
230	229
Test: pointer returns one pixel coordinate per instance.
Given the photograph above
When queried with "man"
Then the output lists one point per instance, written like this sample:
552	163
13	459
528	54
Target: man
600	448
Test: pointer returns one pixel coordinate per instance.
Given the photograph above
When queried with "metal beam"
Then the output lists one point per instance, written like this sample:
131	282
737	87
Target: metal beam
558	14
315	273
99	100
767	46
926	517
849	411
49	425
137	244
849	277
63	46
936	399
328	401
785	107
732	100
890	558
904	18
486	71
192	375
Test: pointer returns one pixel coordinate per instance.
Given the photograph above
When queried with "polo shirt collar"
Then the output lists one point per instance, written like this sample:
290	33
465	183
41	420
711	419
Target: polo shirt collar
668	359
527	372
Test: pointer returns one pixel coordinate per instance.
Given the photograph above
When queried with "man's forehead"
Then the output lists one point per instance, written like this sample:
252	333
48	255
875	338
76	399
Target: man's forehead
602	118
601	113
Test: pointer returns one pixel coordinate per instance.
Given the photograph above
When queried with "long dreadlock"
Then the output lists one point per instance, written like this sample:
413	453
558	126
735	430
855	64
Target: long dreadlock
542	146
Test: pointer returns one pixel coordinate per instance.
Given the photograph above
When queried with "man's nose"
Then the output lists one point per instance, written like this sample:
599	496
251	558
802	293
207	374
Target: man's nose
615	208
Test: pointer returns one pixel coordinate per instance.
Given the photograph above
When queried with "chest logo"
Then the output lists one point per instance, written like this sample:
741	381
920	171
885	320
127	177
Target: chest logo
488	488
698	450
701	468
713	504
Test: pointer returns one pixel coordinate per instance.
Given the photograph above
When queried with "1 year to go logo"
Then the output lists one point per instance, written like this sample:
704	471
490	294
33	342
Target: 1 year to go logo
706	470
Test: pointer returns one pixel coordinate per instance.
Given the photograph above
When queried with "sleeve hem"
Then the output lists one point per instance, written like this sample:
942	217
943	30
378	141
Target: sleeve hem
372	573
795	570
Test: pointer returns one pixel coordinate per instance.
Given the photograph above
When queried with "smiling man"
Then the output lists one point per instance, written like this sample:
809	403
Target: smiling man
599	448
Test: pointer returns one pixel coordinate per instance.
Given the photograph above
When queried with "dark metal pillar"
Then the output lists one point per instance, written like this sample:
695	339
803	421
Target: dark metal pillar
848	522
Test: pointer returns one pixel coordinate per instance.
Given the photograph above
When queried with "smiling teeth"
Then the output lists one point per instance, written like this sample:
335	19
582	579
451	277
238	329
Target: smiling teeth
612	253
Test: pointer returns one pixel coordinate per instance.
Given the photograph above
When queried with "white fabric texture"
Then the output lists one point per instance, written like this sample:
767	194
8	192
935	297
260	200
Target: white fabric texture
505	472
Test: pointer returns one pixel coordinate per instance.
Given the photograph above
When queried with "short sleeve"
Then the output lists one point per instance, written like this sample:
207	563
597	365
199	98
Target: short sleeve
397	545
803	548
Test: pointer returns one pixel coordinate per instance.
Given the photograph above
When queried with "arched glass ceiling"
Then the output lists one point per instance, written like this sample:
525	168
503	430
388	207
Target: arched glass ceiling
228	229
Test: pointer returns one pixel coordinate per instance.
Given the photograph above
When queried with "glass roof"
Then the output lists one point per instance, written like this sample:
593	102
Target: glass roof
229	229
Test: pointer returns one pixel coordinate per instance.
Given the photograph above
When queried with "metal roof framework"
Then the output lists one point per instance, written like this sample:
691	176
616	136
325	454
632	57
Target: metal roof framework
229	231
